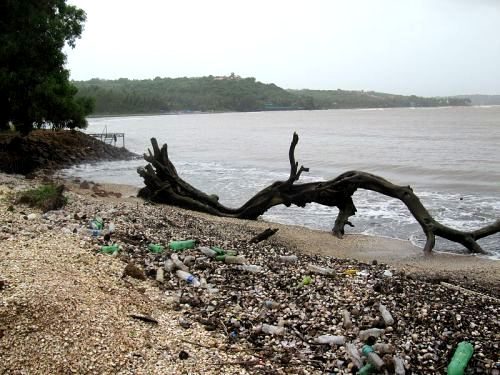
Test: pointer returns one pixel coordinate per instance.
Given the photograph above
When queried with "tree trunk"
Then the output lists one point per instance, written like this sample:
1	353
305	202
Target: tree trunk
163	185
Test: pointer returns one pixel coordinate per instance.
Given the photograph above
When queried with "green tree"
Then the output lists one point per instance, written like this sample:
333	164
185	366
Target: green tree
34	85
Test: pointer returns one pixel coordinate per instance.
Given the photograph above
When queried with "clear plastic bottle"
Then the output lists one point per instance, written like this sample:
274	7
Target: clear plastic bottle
288	258
371	332
372	357
273	330
186	276
354	355
320	270
207	251
269	304
346	318
330	339
160	275
178	263
231	259
252	268
169	265
399	366
386	315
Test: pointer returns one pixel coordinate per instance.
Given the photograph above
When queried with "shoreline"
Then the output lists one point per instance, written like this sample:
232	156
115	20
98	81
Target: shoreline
465	269
58	290
290	110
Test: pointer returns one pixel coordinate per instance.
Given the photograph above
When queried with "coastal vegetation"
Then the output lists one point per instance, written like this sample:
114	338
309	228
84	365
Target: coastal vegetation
35	90
232	93
45	197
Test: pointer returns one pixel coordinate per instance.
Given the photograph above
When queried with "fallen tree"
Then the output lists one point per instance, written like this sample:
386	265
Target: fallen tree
163	185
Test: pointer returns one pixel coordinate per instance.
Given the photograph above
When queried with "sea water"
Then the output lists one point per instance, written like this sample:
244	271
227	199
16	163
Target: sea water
449	156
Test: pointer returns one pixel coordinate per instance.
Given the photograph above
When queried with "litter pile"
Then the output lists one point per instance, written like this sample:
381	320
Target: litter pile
299	311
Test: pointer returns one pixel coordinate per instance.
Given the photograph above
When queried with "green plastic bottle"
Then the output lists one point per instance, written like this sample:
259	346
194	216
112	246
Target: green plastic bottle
461	358
156	248
219	251
111	249
182	245
367	369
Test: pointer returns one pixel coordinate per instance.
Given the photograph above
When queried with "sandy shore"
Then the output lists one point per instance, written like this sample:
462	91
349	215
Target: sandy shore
65	308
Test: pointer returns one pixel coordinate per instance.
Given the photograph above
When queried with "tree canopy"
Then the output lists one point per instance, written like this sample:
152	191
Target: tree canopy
232	93
34	85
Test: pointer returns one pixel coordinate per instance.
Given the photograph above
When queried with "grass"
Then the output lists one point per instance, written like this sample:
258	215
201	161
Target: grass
45	197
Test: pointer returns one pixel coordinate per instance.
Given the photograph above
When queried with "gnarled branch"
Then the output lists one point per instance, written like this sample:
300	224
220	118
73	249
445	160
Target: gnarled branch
164	185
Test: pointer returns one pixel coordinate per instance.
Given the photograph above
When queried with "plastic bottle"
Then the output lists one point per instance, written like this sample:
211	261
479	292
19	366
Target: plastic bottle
354	355
386	315
330	339
367	369
94	232
399	366
346	317
156	248
320	270
252	268
169	265
372	357
269	304
182	245
190	279
96	223
160	275
110	249
231	259
220	251
207	251
178	263
273	330
371	332
460	358
288	258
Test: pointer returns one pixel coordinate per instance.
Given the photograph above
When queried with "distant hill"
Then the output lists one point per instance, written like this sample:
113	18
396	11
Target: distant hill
329	99
478	99
231	93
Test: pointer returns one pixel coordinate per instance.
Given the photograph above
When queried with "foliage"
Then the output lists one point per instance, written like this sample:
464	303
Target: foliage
34	86
46	197
232	93
331	99
206	94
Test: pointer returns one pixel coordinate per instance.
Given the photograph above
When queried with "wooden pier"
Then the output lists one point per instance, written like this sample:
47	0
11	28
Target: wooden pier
109	138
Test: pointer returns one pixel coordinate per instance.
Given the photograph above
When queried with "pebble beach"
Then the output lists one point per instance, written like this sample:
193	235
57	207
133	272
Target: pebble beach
308	305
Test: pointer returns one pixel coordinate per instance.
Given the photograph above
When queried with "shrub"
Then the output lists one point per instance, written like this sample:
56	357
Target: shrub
46	197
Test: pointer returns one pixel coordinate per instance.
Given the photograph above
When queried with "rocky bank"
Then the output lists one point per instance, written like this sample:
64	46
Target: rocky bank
48	149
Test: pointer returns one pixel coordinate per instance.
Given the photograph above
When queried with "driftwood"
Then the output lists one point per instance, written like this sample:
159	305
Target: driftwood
163	185
263	235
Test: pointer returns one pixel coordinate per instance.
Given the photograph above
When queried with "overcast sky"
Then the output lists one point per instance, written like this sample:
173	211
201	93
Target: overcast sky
422	47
